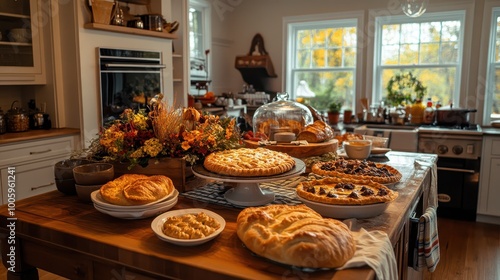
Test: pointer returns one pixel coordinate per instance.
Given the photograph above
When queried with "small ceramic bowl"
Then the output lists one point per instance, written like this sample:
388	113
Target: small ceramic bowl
358	149
93	173
84	191
63	170
379	142
66	186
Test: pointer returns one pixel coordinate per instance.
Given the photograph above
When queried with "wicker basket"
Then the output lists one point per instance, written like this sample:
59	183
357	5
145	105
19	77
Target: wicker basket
101	11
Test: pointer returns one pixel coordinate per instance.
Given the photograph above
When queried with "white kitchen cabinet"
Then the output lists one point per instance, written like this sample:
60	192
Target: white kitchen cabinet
33	165
489	186
180	57
21	42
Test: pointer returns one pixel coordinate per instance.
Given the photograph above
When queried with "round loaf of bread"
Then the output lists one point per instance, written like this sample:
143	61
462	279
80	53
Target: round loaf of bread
295	235
136	189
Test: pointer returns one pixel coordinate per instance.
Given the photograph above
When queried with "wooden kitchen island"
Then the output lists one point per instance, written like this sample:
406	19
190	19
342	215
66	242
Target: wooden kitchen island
65	236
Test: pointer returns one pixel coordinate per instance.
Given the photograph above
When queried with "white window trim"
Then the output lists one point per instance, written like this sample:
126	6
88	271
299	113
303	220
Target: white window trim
484	95
466	93
378	88
315	19
205	6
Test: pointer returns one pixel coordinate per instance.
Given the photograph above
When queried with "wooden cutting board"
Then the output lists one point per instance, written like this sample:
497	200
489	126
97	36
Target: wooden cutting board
303	151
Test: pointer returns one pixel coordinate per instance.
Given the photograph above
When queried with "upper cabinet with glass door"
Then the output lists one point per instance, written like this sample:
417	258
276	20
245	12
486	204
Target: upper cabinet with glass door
21	62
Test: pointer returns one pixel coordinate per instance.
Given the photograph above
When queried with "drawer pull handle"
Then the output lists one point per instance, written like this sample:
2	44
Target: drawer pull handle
42	186
40	152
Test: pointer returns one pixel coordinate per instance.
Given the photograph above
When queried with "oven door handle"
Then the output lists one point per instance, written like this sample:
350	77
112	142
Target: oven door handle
119	65
456	170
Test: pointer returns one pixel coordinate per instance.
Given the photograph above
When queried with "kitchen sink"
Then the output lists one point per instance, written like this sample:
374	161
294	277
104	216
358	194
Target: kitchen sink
401	137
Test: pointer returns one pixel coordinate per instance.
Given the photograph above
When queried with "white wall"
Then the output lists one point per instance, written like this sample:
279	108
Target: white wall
235	23
88	41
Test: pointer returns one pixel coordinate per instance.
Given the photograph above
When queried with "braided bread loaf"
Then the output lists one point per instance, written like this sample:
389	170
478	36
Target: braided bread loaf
136	189
295	235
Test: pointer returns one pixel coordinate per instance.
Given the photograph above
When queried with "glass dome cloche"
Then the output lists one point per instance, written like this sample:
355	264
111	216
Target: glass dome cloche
281	115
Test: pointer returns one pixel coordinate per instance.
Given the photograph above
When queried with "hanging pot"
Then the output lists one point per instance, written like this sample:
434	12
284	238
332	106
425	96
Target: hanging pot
453	116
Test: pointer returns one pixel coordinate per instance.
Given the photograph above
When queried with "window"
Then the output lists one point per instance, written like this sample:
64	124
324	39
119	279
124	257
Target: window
322	57
492	96
429	47
199	39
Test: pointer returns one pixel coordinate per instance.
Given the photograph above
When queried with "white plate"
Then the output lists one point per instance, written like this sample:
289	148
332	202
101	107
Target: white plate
158	222
135	210
379	151
137	214
346	211
97	199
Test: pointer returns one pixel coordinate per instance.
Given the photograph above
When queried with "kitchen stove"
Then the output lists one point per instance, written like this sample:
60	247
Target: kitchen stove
451	141
459	152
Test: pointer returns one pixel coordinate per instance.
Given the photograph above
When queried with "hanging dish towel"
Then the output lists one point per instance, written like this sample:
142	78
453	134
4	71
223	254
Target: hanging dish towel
373	248
428	241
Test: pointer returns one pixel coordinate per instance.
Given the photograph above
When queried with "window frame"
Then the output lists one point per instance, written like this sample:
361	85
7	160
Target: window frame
491	66
204	7
291	23
378	89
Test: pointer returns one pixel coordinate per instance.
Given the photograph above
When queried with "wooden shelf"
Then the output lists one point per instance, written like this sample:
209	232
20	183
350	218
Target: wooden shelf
129	30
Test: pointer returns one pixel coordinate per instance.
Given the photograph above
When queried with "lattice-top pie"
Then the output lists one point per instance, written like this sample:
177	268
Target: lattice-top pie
338	191
358	169
249	162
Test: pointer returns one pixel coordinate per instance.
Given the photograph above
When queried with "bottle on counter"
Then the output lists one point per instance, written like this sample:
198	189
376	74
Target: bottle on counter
417	112
429	112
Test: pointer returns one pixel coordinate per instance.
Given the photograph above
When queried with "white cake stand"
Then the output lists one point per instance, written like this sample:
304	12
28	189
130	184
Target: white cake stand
247	191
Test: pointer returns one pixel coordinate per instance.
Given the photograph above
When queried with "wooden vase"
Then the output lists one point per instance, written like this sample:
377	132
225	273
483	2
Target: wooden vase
175	168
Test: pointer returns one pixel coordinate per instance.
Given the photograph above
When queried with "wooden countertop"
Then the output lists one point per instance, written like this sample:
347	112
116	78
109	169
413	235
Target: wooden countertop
63	235
15	137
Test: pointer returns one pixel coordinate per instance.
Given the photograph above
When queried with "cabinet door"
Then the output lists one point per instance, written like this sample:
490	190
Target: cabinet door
21	27
30	179
492	205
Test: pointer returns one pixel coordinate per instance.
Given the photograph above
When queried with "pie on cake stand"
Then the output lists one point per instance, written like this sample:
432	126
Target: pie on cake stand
247	190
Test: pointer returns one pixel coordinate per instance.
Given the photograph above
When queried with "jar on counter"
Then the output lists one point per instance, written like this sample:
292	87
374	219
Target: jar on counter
3	122
417	112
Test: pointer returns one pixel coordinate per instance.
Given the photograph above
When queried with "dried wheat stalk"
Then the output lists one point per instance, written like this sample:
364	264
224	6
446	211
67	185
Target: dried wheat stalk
166	120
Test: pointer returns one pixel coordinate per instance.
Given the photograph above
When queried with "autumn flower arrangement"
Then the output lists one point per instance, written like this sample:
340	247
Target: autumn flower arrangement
137	136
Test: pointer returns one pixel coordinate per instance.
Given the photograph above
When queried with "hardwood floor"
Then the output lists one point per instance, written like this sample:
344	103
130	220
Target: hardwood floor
469	251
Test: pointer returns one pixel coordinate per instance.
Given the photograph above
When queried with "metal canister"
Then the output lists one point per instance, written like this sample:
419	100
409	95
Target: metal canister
17	119
3	122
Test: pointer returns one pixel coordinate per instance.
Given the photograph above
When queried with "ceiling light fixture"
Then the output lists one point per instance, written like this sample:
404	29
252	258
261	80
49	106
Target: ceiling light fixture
414	8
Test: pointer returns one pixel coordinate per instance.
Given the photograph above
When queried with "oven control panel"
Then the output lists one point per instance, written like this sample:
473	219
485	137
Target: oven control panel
455	148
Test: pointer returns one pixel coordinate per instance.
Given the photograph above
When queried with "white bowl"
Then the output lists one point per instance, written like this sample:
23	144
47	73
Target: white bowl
358	149
138	214
379	142
157	226
346	211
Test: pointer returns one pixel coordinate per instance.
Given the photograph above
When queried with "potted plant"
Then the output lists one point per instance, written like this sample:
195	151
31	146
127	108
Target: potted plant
334	112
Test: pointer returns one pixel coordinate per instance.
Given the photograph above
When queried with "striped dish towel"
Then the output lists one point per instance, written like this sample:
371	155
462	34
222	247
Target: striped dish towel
428	241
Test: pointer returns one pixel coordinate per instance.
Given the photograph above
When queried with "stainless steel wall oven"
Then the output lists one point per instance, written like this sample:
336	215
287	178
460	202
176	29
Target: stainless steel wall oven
128	79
